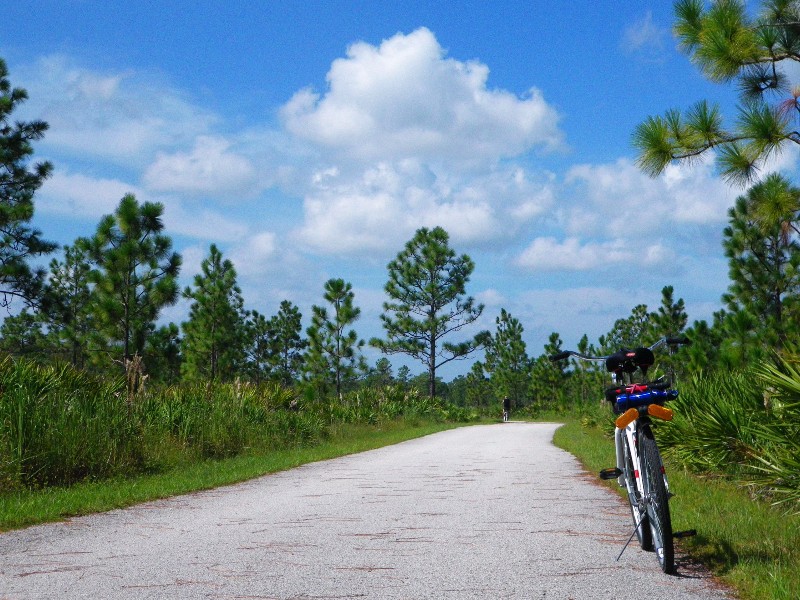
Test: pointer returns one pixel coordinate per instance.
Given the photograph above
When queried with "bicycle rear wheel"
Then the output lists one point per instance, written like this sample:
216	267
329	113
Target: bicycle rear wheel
656	500
638	515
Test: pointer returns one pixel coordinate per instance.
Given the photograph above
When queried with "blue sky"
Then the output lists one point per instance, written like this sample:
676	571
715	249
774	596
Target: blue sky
310	140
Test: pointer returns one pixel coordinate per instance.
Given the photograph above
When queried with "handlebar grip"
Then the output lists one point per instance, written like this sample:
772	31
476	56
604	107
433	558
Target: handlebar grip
679	341
560	356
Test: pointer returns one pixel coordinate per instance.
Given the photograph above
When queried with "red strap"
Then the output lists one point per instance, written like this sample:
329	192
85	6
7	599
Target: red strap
635	388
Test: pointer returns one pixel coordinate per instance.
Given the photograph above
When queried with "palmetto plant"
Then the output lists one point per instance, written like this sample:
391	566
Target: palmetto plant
744	425
715	417
779	467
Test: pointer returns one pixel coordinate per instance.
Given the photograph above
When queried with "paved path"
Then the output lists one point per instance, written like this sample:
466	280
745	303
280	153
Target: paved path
479	512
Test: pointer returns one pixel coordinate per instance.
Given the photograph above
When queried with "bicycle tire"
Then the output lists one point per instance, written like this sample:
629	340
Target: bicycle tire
656	500
639	516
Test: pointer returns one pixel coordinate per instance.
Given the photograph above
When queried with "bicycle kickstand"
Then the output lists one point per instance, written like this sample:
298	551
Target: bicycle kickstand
625	547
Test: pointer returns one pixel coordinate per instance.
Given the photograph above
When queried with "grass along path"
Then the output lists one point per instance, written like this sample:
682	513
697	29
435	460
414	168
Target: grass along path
22	509
749	545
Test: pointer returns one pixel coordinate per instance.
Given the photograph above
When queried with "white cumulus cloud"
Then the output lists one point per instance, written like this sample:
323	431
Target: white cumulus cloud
87	198
200	223
382	209
548	254
120	117
645	39
256	254
404	98
80	196
209	169
407	137
617	197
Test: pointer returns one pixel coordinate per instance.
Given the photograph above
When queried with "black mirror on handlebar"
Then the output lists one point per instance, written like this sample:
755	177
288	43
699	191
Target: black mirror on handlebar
560	356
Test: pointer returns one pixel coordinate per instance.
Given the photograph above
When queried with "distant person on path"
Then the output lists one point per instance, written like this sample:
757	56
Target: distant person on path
506	408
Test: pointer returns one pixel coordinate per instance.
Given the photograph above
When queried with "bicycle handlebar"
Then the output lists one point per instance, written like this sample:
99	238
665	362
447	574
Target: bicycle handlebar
669	341
568	353
672	341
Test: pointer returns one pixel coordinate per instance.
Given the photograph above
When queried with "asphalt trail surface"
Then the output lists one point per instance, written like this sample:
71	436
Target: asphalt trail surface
479	512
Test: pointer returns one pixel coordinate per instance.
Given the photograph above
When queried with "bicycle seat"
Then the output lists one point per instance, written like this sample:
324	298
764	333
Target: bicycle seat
628	361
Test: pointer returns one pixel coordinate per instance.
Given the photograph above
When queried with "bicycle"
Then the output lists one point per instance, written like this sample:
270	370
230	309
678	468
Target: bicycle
640	469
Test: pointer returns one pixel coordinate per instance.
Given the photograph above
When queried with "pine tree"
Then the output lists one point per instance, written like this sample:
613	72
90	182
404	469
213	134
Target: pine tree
587	378
764	260
547	377
214	336
427	287
631	332
403	375
18	241
23	335
380	375
741	344
729	45
383	372
670	319
480	392
259	346
288	346
136	273
164	358
507	360
703	354
70	318
333	355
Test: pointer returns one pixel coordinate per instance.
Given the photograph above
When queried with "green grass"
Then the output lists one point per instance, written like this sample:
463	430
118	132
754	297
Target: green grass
61	427
749	545
23	508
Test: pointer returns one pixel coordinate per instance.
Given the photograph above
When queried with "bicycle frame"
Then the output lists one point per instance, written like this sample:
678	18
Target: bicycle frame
630	433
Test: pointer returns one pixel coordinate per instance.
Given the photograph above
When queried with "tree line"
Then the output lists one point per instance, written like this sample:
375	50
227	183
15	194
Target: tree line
98	304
